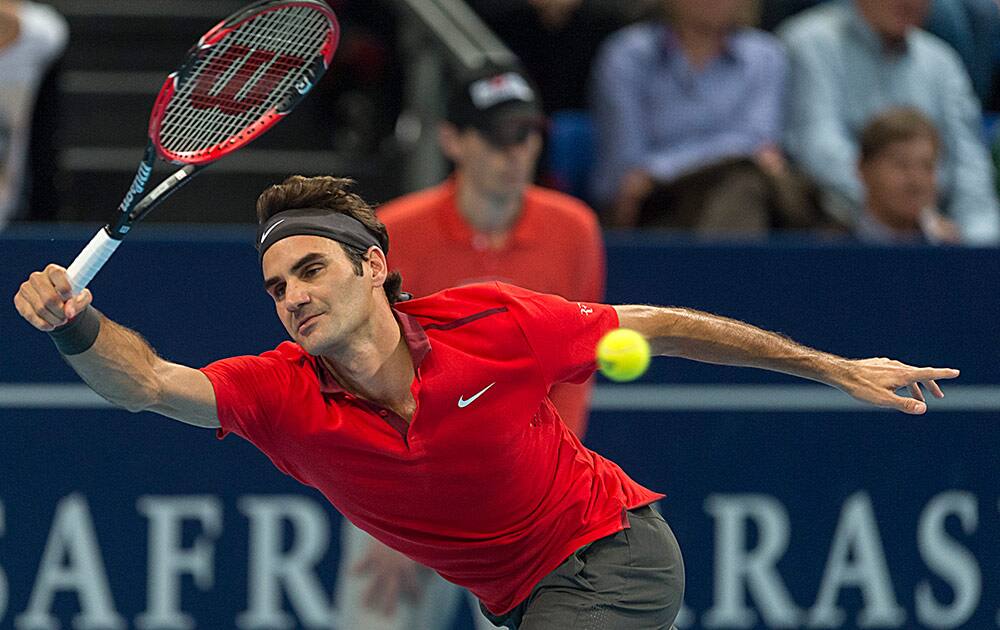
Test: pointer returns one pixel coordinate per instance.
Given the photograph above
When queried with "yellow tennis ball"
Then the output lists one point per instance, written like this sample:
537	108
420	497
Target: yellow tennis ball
623	355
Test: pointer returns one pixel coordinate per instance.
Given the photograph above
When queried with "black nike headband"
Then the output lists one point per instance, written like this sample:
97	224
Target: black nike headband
316	222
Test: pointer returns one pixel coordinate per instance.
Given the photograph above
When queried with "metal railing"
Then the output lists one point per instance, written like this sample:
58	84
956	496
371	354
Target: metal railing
437	36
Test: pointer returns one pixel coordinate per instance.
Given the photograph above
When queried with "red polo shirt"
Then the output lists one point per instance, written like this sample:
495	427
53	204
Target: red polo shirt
486	485
436	248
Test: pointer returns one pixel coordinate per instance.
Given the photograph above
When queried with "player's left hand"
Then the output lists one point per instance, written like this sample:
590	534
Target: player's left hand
392	578
875	381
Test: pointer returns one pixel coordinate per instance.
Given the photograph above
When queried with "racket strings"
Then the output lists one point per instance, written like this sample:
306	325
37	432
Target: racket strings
201	127
234	55
211	125
229	89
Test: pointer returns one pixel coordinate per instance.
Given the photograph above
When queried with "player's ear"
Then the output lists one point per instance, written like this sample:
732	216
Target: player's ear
378	264
449	139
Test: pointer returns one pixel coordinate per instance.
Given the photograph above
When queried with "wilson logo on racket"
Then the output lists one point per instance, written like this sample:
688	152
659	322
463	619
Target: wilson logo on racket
138	185
240	66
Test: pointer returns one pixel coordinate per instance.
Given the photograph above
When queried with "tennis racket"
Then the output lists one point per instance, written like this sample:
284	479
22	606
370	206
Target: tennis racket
238	81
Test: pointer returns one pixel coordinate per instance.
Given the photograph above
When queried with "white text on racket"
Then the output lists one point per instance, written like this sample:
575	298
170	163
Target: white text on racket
138	185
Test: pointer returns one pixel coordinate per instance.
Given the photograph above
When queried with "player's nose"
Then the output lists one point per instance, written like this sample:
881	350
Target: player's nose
295	297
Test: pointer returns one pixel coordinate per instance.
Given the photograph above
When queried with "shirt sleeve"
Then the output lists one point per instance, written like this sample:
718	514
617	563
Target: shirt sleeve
248	393
619	119
44	32
972	201
763	113
816	136
592	270
562	334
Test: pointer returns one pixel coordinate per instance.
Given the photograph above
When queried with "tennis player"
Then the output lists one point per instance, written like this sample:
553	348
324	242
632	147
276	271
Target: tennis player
485	222
426	422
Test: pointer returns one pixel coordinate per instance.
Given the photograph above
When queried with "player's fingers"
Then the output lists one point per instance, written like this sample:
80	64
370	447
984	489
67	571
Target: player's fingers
47	297
390	597
381	594
933	374
370	598
40	306
909	405
362	566
934	388
79	302
915	391
414	587
407	584
28	313
60	280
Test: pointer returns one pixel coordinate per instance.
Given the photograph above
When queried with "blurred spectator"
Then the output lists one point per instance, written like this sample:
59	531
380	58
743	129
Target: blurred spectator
688	118
996	155
556	41
851	60
32	35
486	222
972	27
898	168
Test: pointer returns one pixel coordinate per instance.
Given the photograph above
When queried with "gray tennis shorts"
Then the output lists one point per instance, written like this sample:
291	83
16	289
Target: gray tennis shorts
632	580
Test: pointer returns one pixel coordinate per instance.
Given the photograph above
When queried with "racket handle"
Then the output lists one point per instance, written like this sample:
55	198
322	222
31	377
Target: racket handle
91	259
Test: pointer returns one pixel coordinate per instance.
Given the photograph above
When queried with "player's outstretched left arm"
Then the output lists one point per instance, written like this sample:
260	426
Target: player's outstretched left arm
691	334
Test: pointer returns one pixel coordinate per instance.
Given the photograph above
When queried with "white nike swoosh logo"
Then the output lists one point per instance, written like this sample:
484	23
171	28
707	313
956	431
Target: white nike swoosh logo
463	403
268	230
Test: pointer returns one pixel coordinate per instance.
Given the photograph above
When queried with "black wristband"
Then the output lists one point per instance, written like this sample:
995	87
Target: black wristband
78	335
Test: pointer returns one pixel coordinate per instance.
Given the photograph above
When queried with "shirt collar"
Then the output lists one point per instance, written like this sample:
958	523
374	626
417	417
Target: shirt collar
870	230
670	44
864	31
524	231
413	335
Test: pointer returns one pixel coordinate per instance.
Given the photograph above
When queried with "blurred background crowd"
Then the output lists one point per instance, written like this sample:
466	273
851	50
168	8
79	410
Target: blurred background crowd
873	120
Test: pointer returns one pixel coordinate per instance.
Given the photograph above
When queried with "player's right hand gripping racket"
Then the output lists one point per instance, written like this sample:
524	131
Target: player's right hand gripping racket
238	81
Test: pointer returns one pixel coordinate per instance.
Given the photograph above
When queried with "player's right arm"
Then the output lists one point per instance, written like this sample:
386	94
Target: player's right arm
120	365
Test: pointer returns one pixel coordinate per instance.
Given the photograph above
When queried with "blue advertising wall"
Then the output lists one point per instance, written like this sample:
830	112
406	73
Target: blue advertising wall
794	506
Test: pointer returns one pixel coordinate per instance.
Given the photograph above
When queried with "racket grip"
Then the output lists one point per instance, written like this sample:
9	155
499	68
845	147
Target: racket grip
91	259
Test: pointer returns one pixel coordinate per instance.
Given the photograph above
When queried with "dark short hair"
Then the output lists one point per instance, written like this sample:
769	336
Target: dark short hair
330	193
897	124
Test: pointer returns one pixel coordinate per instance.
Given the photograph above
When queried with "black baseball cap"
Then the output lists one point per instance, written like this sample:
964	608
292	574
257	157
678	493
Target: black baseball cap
499	102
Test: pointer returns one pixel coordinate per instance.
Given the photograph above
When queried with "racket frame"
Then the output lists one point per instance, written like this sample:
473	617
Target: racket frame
132	209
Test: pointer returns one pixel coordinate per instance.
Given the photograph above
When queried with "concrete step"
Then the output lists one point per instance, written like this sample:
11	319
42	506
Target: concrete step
220	194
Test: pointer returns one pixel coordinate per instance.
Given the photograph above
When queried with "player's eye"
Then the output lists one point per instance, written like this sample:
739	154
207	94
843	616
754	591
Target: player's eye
312	271
278	292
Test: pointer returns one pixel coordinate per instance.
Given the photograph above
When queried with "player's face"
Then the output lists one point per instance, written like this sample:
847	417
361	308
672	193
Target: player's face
901	181
718	15
496	171
318	296
893	19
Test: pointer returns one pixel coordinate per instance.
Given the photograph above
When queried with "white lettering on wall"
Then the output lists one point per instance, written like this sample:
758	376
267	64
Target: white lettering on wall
71	562
857	559
685	617
952	562
168	560
739	570
272	569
